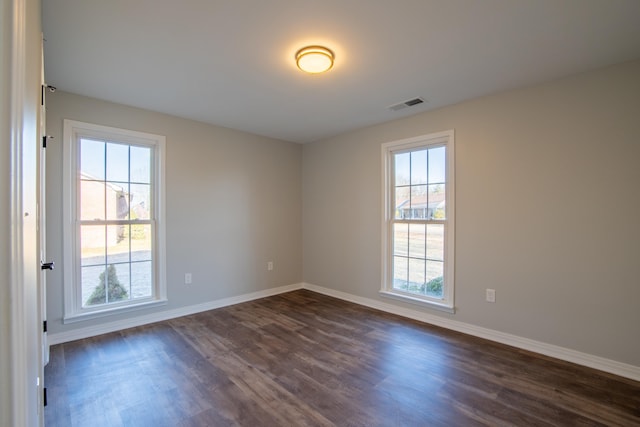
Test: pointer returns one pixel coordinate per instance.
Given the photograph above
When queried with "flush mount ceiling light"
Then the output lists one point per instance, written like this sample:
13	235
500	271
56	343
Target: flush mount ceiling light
314	59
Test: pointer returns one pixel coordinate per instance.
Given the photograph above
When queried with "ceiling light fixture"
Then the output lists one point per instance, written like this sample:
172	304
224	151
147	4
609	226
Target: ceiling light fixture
314	59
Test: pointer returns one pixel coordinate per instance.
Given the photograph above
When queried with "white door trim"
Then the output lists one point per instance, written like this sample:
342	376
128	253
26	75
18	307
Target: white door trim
18	314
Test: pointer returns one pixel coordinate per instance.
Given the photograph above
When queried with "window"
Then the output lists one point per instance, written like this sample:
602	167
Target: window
418	222
114	220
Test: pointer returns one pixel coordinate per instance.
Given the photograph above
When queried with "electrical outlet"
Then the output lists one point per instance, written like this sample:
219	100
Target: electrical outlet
270	266
188	279
491	295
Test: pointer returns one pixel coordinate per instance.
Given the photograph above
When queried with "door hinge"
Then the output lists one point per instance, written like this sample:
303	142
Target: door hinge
44	396
42	89
44	140
44	326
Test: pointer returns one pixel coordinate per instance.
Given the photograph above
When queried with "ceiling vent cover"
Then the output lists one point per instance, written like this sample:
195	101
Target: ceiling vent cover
405	104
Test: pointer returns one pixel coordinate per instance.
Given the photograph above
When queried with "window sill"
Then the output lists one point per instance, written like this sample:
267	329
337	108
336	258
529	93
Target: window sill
79	317
418	301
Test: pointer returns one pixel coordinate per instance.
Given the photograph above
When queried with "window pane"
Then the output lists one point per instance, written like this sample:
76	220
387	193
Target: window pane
416	275
93	285
401	239
117	162
403	207
119	283
419	167
141	242
417	238
91	159
141	279
92	245
91	200
435	242
102	286
400	272
402	169
140	164
437	165
435	273
140	201
418	202
117	244
117	196
437	203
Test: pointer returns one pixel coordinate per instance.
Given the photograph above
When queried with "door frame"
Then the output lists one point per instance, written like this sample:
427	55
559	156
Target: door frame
42	211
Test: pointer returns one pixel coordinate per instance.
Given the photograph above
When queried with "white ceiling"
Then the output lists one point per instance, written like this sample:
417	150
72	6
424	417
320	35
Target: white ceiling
231	62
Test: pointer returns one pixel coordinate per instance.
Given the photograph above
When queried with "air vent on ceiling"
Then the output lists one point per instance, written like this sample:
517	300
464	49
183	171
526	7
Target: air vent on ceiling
405	104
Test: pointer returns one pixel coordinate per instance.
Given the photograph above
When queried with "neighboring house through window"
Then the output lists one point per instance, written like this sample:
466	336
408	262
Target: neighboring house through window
114	220
418	222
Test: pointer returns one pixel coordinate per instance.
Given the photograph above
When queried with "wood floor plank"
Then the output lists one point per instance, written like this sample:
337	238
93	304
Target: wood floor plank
302	358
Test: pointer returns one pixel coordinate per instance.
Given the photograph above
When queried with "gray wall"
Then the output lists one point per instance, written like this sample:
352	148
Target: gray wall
547	210
233	204
546	196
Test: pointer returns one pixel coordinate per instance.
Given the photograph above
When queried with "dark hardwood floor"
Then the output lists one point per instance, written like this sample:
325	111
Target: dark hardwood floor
304	359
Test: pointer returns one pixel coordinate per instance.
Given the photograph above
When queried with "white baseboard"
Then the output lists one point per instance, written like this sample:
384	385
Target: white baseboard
91	331
562	353
584	359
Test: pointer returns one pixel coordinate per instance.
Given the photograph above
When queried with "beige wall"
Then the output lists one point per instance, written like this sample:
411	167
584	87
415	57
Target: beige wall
547	210
233	203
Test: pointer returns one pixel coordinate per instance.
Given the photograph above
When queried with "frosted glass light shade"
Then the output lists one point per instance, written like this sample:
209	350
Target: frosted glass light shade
314	59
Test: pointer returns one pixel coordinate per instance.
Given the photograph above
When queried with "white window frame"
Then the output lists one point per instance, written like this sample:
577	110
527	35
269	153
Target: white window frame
72	132
440	139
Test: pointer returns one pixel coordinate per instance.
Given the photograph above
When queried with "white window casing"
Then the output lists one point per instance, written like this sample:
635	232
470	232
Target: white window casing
74	132
421	206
